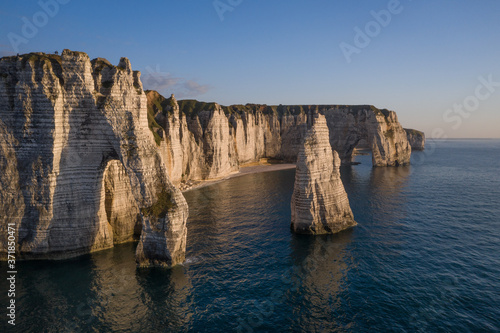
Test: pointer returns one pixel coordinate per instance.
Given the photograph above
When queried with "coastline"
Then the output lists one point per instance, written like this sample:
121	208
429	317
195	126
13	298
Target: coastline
246	169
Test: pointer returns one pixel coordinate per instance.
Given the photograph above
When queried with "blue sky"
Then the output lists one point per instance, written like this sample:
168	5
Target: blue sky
426	63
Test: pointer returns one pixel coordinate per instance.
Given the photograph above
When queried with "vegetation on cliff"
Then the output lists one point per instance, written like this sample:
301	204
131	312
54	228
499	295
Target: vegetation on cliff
414	131
161	207
192	107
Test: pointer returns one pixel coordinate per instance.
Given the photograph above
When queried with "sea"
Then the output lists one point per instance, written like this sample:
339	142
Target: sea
424	257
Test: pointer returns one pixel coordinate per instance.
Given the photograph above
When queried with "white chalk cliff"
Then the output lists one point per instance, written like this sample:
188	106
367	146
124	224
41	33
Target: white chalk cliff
185	131
379	128
416	139
80	168
89	160
319	201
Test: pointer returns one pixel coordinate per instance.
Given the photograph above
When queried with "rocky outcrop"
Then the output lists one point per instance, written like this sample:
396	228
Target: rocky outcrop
319	201
416	139
379	128
80	169
164	232
185	133
195	147
256	135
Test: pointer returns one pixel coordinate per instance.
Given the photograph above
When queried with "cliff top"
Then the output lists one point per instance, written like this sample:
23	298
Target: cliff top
55	59
192	107
413	131
32	57
189	107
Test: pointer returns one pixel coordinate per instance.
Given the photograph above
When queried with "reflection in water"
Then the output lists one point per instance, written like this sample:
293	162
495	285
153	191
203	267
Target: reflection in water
226	218
377	193
320	265
165	296
117	290
103	291
49	296
401	266
378	198
386	189
157	297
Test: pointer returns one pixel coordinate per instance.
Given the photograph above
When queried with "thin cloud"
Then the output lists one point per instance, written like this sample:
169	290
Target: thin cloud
166	84
159	81
194	88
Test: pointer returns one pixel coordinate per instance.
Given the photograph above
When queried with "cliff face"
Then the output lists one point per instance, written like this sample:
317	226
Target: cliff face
379	128
199	143
80	169
86	156
256	135
319	202
193	147
416	139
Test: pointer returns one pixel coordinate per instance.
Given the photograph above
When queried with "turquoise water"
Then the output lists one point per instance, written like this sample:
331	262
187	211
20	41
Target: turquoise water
424	257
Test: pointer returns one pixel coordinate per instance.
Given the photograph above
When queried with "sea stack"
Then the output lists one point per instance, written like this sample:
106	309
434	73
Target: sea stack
416	139
319	201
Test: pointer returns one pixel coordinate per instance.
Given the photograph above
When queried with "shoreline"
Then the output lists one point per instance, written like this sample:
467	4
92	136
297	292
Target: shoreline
244	170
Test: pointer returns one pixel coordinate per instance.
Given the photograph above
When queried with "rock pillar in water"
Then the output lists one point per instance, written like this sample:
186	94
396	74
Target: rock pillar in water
319	201
416	139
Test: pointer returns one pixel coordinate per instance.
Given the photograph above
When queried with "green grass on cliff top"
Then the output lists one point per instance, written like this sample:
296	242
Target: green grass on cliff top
413	131
193	107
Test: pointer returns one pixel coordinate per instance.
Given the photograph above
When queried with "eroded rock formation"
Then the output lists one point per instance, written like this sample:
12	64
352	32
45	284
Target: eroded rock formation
80	169
319	201
185	133
379	128
416	139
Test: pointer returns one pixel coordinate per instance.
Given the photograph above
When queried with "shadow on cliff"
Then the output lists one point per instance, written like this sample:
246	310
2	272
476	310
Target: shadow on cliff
76	205
93	155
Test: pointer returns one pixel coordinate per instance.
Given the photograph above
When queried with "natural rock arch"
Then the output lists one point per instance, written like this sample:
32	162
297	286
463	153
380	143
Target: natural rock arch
379	128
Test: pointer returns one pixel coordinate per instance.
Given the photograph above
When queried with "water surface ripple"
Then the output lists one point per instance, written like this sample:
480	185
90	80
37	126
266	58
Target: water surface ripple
424	257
